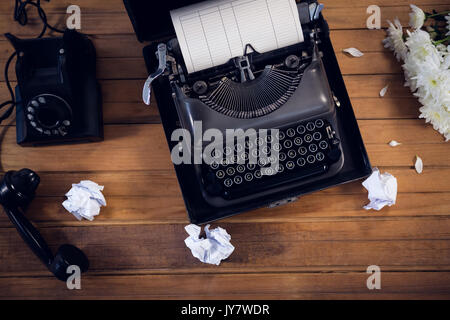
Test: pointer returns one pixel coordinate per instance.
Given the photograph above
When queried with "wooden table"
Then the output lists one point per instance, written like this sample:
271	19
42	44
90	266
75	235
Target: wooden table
318	247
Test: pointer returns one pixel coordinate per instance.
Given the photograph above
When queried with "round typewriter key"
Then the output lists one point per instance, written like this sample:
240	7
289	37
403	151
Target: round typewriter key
317	136
30	110
282	156
238	147
292	154
244	156
238	179
42	100
269	171
310	126
220	174
281	135
266	150
311	159
262	162
269	139
302	151
298	141
248	144
251	166
228	151
287	144
319	123
308	138
301	129
231	171
290	165
277	147
235	159
320	156
280	168
30	116
323	145
228	182
255	153
301	162
240	168
272	159
224	162
258	174
313	147
214	165
248	177
259	142
290	132
34	103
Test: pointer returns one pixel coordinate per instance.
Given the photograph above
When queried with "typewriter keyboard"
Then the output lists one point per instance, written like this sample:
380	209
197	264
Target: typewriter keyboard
305	150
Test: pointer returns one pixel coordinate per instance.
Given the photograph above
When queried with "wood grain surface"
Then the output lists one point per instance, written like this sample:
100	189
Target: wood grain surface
318	247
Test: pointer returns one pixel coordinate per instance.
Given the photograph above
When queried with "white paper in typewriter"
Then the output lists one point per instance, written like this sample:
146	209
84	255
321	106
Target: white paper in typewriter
212	32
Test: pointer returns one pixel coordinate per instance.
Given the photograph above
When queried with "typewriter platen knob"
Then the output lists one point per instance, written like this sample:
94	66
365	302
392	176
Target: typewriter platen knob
200	87
292	62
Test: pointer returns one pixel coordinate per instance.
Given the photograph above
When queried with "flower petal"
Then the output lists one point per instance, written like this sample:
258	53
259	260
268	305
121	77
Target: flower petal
394	143
383	91
354	52
419	165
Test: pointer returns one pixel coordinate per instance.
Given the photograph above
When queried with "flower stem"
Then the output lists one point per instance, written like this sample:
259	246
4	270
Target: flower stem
441	41
438	14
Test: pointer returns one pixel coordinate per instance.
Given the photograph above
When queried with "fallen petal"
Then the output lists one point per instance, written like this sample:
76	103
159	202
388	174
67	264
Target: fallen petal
354	52
419	165
383	91
394	143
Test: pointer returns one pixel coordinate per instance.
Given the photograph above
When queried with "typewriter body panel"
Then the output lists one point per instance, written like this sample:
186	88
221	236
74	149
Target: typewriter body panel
319	142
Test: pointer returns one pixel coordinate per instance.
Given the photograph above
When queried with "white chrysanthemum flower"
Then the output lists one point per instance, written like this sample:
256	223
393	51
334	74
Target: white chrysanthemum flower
416	17
422	48
394	40
448	24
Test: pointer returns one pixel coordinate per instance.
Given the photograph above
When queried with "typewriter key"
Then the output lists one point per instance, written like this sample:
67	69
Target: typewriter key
323	145
231	171
214	165
280	168
258	174
320	156
238	179
301	162
281	135
287	144
290	165
302	151
301	129
251	166
248	177
308	138
282	156
311	159
313	148
298	141
319	123
317	136
310	126
240	168
290	132
228	182
292	154
277	147
220	174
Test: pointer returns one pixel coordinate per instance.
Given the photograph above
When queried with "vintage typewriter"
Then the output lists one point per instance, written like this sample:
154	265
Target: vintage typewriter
300	134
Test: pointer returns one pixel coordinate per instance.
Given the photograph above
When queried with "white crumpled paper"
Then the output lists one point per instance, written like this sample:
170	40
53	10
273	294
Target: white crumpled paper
215	248
84	200
382	190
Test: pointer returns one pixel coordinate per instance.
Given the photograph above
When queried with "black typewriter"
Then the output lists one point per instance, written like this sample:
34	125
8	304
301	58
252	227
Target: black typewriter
297	135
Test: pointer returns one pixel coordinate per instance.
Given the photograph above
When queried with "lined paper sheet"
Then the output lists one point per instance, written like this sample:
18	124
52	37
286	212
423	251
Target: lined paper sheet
210	33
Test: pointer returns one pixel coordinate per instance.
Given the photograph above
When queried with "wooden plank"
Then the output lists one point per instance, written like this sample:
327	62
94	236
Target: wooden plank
126	147
134	68
160	184
411	242
395	285
117	5
169	208
119	22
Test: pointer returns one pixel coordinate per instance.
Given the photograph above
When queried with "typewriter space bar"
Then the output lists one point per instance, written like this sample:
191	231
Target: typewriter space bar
271	182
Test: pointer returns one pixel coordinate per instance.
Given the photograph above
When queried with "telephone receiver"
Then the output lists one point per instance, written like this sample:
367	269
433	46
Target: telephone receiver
17	190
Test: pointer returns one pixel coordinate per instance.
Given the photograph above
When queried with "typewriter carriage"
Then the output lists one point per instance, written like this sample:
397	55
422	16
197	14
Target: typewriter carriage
355	166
